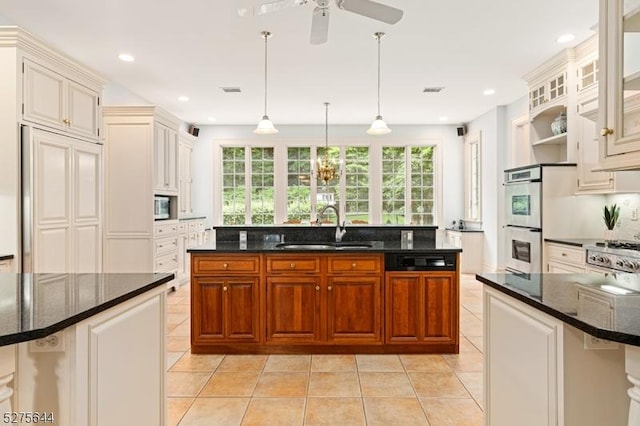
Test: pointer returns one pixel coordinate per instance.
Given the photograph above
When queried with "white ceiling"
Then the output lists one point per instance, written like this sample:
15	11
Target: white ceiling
194	47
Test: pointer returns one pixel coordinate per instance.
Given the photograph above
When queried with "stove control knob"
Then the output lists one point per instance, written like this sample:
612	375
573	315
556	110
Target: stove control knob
619	263
592	258
635	266
627	264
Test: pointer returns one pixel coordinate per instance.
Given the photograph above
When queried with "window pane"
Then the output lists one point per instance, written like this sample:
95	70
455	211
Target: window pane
298	184
357	184
233	190
262	189
422	189
393	185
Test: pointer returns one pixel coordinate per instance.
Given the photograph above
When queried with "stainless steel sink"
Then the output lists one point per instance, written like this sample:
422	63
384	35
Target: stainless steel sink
324	246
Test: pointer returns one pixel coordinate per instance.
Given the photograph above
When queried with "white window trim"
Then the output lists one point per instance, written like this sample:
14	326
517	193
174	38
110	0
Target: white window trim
469	140
280	175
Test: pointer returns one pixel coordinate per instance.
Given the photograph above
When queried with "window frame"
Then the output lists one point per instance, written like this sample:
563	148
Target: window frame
470	141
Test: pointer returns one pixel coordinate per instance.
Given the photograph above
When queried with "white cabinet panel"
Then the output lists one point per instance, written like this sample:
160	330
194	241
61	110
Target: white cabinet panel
88	177
88	248
128	254
53	250
52	178
43	92
83	110
165	147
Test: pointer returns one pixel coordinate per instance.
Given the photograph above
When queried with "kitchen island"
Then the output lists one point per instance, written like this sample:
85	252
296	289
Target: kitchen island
318	296
79	348
559	347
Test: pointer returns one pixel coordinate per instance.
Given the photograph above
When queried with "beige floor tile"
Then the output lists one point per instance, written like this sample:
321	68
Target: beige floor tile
183	329
471	326
174	299
185	383
177	318
333	363
438	385
477	341
334	411
196	362
178	343
473	382
288	363
334	383
274	411
385	384
243	363
452	412
280	384
178	308
394	411
379	363
171	327
465	362
172	357
176	407
216	411
428	363
231	383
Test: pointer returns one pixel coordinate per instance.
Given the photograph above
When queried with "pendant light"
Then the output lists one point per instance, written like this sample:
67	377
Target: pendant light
265	126
378	127
327	171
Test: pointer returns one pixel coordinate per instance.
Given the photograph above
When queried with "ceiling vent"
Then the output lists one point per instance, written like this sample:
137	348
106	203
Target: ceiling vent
231	89
432	89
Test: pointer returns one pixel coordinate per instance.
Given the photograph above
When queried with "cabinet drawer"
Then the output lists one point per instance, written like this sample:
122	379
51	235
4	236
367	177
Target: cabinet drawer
166	263
566	254
193	240
162	229
182	227
192	225
293	263
165	245
354	264
229	264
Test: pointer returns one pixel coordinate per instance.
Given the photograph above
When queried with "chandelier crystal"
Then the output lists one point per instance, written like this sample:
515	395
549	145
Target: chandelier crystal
327	170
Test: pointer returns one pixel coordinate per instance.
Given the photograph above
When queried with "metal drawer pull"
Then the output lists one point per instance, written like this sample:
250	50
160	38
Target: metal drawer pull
564	254
293	266
353	265
317	288
225	265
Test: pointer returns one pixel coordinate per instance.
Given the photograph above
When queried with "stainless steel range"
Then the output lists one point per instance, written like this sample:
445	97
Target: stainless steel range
617	256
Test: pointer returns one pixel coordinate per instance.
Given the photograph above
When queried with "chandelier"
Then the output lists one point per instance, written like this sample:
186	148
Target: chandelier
327	170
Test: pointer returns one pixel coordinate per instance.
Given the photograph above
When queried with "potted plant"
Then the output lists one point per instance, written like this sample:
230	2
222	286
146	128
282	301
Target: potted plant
611	216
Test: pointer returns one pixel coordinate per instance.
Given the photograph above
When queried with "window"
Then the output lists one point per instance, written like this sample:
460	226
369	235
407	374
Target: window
393	183
473	185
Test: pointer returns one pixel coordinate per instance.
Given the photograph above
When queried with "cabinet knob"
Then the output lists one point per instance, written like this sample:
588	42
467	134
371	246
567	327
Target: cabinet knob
159	231
606	131
564	254
225	265
66	121
225	288
293	266
329	288
353	265
317	288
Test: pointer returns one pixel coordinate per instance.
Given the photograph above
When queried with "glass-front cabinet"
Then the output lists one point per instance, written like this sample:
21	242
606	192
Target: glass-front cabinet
619	118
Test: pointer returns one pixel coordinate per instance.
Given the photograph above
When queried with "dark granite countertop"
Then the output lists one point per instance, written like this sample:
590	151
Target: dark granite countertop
6	256
33	306
577	242
616	319
376	247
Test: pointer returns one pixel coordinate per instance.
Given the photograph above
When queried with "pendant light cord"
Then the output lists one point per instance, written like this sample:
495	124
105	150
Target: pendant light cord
266	36
378	37
326	129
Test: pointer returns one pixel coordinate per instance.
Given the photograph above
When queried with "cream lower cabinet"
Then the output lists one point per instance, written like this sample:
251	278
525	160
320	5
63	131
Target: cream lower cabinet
537	372
166	245
472	245
109	369
564	258
6	265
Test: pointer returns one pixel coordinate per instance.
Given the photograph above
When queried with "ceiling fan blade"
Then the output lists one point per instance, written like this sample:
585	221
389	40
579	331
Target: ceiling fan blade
276	6
371	9
320	25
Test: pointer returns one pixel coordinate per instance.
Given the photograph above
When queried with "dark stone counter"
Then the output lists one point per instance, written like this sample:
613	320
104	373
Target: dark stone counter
615	317
33	306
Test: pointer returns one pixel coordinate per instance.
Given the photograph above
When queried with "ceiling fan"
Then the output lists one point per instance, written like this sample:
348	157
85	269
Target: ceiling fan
320	21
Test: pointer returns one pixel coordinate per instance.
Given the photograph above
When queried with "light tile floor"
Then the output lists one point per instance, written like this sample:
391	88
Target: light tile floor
341	390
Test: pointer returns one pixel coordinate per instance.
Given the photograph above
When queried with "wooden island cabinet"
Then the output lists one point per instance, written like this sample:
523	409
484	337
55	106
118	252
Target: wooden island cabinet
318	303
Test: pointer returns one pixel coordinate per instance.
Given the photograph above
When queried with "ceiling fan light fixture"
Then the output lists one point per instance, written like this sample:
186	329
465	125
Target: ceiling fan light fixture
378	127
265	126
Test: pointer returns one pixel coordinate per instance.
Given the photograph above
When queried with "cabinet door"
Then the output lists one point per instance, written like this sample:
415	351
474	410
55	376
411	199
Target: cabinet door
43	96
354	309
159	160
242	309
561	268
82	110
185	180
588	159
402	307
293	309
207	308
171	161
87	207
440	307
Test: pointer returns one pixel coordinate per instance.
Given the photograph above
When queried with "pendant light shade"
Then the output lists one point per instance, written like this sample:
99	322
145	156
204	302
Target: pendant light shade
378	127
265	126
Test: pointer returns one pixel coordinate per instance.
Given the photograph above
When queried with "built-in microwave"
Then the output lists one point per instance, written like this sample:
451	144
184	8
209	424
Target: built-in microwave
523	197
161	207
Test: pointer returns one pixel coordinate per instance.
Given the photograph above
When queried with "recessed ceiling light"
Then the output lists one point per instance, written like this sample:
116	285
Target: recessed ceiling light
489	92
444	118
565	38
126	57
183	99
211	119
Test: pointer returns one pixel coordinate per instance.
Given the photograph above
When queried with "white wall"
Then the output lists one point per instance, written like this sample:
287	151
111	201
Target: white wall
627	228
204	148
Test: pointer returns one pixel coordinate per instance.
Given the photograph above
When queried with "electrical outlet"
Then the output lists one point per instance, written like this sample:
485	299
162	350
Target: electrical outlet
52	343
634	214
591	342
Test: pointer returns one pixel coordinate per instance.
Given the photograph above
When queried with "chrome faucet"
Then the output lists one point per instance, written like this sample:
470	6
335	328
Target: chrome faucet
339	231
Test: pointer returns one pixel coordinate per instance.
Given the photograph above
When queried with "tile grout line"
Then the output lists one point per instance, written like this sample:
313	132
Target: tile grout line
406	373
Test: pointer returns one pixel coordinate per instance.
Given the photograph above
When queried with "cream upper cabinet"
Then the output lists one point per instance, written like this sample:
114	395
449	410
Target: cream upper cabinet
165	159
185	180
52	100
619	117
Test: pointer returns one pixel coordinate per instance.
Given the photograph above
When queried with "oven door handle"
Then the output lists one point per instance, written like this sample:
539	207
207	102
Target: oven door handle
524	228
